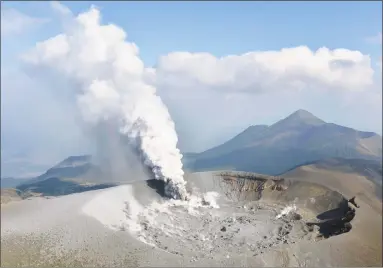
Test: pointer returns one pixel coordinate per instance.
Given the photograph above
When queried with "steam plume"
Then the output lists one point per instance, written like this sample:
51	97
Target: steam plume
112	86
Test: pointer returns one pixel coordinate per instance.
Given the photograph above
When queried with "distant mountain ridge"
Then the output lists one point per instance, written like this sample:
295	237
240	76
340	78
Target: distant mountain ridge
299	138
10	182
71	167
350	173
368	168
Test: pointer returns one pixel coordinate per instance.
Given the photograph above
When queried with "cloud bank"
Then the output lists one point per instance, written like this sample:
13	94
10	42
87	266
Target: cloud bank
289	69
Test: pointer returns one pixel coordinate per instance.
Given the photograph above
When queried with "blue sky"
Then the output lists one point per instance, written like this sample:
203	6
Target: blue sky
223	28
35	120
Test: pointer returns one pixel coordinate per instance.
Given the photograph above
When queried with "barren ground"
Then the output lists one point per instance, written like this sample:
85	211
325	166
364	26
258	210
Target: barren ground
230	221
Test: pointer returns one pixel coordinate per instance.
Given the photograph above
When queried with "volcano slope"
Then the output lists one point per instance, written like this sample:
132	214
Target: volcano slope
231	219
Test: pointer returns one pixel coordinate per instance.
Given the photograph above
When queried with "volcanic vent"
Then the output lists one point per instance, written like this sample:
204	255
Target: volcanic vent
234	214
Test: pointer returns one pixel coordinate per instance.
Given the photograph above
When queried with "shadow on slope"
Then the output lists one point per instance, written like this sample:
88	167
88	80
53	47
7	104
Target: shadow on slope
330	214
158	186
7	183
57	187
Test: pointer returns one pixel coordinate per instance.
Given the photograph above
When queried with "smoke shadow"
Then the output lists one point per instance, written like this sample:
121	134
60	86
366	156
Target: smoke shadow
338	212
335	226
332	227
158	186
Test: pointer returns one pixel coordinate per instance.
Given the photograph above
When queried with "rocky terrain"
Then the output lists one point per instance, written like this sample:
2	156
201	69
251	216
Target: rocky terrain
9	195
232	219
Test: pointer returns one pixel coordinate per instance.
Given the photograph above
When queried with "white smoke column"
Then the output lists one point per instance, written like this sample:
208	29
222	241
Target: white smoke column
112	85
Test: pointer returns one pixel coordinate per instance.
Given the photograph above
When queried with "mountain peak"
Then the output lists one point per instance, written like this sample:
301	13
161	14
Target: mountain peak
73	161
303	114
300	117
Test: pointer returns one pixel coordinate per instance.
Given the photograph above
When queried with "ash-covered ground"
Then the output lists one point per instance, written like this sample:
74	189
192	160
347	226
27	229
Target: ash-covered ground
230	220
246	229
210	224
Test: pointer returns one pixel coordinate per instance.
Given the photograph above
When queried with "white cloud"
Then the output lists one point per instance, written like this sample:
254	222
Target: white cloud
15	22
289	69
61	9
211	98
376	39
